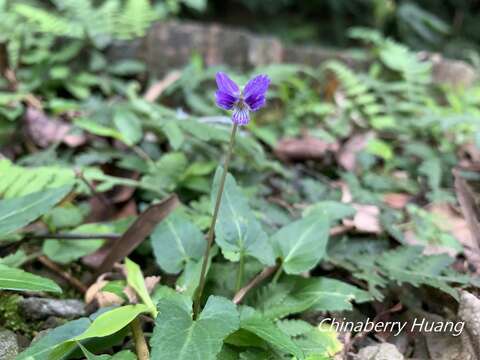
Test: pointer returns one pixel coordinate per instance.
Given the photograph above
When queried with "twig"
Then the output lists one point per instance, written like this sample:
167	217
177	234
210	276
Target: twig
264	274
94	192
77	284
139	338
72	236
159	87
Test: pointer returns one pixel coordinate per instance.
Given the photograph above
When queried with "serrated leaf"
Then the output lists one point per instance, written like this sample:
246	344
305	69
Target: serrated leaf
264	328
237	230
19	280
177	336
176	241
136	281
301	244
18	212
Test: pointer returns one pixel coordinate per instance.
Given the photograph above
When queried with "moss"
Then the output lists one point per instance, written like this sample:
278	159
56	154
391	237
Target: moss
10	314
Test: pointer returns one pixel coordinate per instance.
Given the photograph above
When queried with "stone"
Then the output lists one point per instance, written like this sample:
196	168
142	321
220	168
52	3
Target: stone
385	351
41	308
9	347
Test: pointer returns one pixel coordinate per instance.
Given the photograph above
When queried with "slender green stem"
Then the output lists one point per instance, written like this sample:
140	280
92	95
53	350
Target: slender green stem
277	274
211	231
241	269
139	339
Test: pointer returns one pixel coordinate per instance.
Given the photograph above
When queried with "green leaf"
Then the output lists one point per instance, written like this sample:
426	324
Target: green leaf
177	241
18	212
320	343
122	355
98	129
65	251
112	321
174	134
129	126
237	230
55	338
264	328
336	210
329	294
177	336
135	280
19	280
301	244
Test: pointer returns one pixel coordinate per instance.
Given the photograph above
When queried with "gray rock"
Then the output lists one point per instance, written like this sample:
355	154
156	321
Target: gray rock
469	312
41	308
383	351
9	347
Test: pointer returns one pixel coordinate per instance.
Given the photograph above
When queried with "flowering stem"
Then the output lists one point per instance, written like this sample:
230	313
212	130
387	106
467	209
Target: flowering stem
241	268
211	231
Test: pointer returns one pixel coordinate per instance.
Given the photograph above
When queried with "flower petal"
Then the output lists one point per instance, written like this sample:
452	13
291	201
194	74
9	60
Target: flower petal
255	89
256	103
227	85
224	100
241	116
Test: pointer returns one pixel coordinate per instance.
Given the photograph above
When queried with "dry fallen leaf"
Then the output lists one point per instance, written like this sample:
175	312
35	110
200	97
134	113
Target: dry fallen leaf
397	200
305	148
366	219
104	259
347	156
45	131
471	213
103	298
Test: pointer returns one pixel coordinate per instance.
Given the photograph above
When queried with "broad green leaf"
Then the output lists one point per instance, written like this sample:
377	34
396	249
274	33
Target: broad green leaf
19	280
329	294
320	343
65	251
15	259
128	125
176	241
238	233
177	336
112	321
174	134
122	355
136	281
98	129
264	328
336	210
301	244
56	338
18	212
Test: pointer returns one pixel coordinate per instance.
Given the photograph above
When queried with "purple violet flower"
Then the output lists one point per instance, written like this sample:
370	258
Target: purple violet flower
251	98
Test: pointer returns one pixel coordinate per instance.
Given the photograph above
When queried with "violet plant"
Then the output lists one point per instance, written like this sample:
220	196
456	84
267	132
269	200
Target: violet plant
241	102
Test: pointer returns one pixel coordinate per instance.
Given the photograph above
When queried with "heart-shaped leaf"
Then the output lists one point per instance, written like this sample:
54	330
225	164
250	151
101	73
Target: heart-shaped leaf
237	230
177	336
176	241
301	244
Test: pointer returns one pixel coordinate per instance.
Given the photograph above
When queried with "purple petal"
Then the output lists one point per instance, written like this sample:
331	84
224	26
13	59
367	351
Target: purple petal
256	103
224	100
227	85
241	116
255	90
